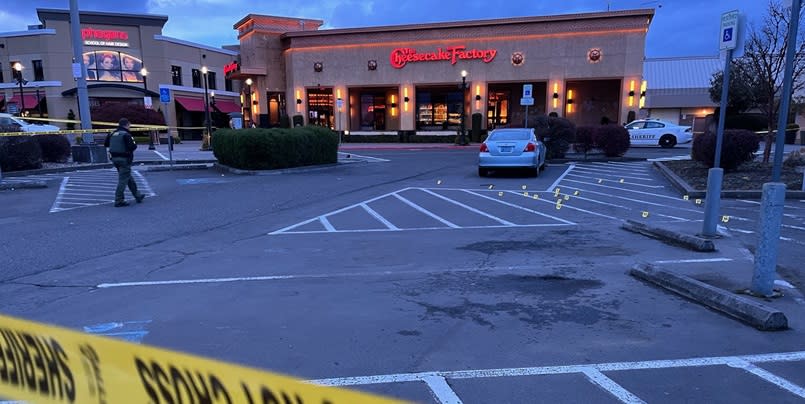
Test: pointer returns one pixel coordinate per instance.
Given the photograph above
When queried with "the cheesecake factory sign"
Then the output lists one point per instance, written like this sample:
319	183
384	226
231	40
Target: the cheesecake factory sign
402	56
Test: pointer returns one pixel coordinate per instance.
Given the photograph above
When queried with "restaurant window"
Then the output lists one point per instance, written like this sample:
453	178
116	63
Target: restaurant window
39	72
211	81
176	75
228	84
1	76
196	74
320	107
438	109
112	66
373	111
497	109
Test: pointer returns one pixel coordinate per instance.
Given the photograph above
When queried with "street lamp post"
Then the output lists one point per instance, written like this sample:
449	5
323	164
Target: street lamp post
18	68
152	133
206	144
247	105
462	135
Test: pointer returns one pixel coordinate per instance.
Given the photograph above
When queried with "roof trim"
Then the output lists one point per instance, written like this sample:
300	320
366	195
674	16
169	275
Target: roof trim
195	45
30	32
290	20
99	17
74	90
647	12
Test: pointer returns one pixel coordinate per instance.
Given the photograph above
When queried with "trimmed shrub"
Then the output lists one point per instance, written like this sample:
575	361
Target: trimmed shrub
613	140
585	136
557	134
795	159
20	153
266	149
55	148
738	147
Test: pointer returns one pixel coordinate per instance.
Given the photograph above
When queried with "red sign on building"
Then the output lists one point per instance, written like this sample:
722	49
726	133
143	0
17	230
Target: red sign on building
104	34
231	67
399	57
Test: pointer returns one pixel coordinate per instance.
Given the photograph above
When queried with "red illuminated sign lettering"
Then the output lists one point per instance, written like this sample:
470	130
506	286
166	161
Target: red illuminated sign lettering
399	57
104	34
231	67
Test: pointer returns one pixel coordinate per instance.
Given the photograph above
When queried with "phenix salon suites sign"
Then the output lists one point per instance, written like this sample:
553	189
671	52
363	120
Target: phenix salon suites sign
399	57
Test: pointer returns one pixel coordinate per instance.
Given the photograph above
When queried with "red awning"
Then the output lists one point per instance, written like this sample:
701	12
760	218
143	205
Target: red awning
30	101
227	106
191	104
2	97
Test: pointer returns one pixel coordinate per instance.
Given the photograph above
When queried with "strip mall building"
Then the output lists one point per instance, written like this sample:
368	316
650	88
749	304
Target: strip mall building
409	78
585	67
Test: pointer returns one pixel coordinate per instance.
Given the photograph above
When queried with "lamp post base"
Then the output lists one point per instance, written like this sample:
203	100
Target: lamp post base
206	145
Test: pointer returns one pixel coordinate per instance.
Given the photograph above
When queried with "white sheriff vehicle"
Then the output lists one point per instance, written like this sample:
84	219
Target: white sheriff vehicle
653	132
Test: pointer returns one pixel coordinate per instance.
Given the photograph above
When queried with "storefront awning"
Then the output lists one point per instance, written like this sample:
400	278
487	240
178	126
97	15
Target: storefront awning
30	101
2	97
227	106
191	104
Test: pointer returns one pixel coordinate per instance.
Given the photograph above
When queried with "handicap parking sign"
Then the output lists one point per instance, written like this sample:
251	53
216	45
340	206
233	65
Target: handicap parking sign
727	34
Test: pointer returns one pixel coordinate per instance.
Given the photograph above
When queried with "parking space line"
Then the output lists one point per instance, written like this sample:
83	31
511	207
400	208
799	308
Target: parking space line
470	208
626	190
494	226
441	390
326	223
561	177
690	261
575	208
520	207
769	377
425	211
610	386
631	183
608	173
587	191
377	159
380	218
676	218
627	164
57	202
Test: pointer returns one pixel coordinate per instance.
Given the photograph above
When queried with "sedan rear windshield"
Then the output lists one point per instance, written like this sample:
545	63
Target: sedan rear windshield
518	135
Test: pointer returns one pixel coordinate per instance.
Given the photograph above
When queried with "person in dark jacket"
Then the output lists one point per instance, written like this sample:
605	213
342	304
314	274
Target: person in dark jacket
121	147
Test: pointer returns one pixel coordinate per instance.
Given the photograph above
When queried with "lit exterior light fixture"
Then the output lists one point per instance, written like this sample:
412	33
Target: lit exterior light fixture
405	98
555	95
569	101
643	94
631	93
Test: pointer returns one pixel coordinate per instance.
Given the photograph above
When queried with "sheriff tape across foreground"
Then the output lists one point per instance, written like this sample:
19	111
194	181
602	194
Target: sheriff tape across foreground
45	364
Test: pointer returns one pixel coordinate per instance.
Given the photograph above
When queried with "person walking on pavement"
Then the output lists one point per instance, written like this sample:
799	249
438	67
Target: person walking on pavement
121	147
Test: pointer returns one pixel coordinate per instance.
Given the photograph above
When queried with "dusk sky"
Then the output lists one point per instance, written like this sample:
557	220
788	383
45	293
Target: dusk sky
680	27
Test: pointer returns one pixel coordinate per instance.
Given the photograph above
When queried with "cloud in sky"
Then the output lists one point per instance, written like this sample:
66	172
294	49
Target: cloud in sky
679	28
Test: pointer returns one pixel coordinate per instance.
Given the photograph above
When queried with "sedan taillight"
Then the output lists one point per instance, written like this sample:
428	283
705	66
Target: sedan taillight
484	148
530	147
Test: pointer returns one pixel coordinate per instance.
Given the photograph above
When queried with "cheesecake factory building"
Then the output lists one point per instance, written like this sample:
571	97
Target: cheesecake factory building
585	67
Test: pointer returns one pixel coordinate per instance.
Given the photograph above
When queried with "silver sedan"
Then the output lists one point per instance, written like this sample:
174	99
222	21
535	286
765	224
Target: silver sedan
511	148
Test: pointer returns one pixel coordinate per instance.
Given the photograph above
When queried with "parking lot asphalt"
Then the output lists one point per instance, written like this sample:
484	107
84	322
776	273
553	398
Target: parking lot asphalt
406	274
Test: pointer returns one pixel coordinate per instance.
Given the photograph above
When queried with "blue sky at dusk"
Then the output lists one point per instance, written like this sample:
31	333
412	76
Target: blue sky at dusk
680	27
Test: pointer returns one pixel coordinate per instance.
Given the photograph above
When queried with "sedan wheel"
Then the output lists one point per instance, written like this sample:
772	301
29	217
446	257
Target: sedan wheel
668	141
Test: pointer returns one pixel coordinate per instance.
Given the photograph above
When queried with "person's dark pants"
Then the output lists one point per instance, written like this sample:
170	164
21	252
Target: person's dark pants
124	178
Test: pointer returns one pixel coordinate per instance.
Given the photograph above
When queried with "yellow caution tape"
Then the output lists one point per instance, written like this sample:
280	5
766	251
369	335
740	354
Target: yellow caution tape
52	365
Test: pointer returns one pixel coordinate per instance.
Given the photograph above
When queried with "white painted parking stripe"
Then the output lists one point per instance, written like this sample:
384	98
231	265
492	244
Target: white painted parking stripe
57	202
608	173
630	183
520	207
83	198
561	177
621	189
610	386
365	157
425	211
470	208
693	261
380	218
441	390
768	376
326	223
587	191
635	164
575	208
162	156
596	201
493	226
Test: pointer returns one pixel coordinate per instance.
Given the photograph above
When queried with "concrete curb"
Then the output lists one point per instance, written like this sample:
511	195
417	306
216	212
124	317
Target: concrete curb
669	236
22	185
102	165
758	315
682	186
175	167
304	169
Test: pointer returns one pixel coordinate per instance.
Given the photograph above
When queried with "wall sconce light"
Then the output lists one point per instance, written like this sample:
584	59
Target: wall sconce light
394	105
569	101
478	97
555	95
298	101
372	65
642	94
631	93
405	99
318	67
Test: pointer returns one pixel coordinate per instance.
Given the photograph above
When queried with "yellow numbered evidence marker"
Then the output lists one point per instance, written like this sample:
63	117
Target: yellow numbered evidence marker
576	193
500	193
556	192
491	186
600	180
725	219
53	365
621	181
525	187
645	213
439	182
686	197
535	196
698	201
525	193
567	197
559	204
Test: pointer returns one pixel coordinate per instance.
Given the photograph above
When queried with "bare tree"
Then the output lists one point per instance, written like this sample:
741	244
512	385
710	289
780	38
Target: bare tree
765	52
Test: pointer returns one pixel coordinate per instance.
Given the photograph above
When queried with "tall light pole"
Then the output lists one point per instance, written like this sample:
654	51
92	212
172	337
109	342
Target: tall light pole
151	134
18	67
248	104
462	136
206	144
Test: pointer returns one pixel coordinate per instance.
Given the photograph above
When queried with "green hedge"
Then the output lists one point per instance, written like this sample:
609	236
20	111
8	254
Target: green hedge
20	153
267	149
